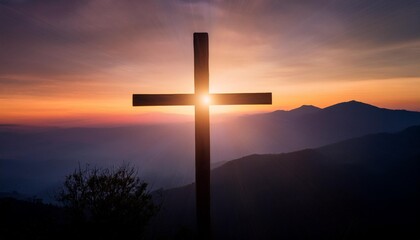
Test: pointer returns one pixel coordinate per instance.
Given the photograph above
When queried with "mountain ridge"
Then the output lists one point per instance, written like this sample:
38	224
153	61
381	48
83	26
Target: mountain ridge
311	192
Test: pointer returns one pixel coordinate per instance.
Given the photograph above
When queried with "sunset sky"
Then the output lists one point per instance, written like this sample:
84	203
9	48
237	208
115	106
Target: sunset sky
80	61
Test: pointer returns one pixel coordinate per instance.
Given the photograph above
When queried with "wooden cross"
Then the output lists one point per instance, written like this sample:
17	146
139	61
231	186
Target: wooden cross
201	100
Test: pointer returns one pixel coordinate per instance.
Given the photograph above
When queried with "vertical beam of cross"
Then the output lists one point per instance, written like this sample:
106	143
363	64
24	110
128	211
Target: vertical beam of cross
202	123
202	133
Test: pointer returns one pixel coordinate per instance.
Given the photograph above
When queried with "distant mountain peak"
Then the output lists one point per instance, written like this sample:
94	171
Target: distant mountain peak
305	109
353	104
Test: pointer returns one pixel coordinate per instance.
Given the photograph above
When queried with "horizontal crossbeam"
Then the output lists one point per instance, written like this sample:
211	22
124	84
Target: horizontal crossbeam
163	99
240	98
192	99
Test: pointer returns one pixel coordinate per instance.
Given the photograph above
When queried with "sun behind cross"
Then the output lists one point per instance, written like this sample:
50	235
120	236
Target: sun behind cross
206	99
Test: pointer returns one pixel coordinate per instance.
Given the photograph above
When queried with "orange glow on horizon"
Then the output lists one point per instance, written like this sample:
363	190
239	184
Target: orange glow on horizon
387	93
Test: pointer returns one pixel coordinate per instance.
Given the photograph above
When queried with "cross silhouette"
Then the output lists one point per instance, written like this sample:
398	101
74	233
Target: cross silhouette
201	99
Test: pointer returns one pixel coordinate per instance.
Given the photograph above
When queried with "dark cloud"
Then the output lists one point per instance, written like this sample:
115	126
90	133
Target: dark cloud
362	39
43	38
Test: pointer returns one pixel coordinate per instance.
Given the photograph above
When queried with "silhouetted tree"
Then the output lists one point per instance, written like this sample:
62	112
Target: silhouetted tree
107	203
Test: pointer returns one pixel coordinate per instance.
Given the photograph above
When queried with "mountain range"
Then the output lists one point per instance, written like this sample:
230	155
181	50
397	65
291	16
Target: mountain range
361	188
34	160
